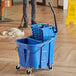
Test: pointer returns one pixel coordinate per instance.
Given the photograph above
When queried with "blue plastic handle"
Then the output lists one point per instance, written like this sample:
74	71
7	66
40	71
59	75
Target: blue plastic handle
54	16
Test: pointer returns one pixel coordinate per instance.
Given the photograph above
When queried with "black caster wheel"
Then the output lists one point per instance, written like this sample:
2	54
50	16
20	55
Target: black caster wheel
18	67
28	71
50	67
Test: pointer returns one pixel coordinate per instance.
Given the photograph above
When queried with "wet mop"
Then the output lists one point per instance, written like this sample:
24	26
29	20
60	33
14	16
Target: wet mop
12	32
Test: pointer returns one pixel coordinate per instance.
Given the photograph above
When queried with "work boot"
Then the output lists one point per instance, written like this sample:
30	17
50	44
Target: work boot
25	25
20	27
33	22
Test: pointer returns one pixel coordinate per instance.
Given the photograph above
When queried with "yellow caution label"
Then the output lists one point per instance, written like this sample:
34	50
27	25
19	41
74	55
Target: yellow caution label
71	12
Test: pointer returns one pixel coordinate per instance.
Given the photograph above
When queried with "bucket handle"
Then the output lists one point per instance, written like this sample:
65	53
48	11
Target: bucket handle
33	52
50	5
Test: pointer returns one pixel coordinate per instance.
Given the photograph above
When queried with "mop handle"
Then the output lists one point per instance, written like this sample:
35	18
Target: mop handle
54	16
21	24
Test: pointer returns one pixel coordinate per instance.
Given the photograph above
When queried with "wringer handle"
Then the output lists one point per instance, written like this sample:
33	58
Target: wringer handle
54	16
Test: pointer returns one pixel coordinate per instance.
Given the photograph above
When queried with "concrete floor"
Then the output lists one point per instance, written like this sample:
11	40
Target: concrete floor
65	47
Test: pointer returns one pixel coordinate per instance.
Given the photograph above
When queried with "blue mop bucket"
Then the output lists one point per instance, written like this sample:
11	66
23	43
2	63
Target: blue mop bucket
35	54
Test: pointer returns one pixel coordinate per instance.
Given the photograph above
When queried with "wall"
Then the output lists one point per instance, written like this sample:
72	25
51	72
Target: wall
65	4
54	2
60	2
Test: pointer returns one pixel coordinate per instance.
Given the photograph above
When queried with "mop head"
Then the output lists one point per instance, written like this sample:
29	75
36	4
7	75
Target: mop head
13	32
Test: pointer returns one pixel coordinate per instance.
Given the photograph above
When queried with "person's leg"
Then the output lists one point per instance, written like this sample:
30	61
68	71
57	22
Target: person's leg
33	11
25	12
